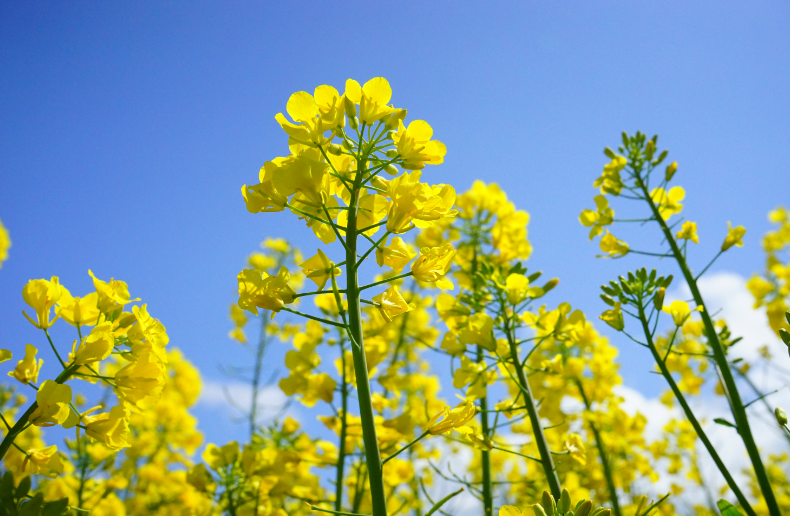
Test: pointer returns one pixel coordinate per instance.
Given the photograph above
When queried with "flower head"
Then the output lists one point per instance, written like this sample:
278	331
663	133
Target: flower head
433	264
44	461
391	304
319	269
42	295
449	419
415	146
27	369
396	255
734	236
53	400
688	232
613	247
111	429
260	290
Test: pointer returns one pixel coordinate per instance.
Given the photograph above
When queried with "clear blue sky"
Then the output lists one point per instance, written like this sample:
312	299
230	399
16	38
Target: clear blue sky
128	128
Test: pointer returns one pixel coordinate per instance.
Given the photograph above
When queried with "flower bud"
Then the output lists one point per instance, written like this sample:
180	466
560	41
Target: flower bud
661	157
391	153
658	300
609	153
339	131
650	149
671	169
583	509
781	416
348	144
550	284
548	503
353	122
335	149
565	501
391	170
785	337
349	107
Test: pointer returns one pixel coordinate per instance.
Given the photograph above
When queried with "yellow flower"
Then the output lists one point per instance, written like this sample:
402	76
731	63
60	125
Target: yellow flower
313	116
112	295
44	461
415	146
305	173
412	202
479	331
5	243
614	317
96	346
668	203
610	182
78	311
516	288
218	458
140	380
448	419
372	98
613	247
396	255
27	369
111	429
53	401
148	335
680	311
433	264
575	447
42	295
199	478
5	355
734	236
597	219
391	304
260	290
264	197
319	269
688	232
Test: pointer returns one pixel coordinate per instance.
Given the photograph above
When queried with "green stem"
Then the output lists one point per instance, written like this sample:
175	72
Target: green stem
372	455
537	429
399	276
690	414
723	367
488	488
607	469
415	441
341	455
256	376
21	423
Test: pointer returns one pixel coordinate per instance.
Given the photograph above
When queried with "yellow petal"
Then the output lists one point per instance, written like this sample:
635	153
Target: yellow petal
378	90
5	355
301	106
353	91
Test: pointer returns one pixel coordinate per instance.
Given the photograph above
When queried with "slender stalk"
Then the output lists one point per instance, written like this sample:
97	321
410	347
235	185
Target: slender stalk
690	414
722	366
607	468
341	454
537	429
372	454
256	377
488	495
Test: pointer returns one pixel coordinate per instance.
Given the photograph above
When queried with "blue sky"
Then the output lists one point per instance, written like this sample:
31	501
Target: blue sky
128	128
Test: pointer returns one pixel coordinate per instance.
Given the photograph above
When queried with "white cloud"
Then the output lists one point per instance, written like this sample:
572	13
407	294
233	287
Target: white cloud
236	397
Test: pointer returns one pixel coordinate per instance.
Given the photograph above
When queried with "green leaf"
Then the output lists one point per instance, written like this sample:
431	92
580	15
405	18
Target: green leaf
56	508
23	488
32	507
727	509
7	487
724	422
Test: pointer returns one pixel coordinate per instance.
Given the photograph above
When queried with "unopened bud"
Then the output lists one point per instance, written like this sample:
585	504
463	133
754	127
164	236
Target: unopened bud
391	153
658	300
671	169
650	148
391	170
349	107
785	336
348	144
395	117
609	153
781	416
380	183
565	501
353	122
550	284
538	510
548	503
335	149
583	509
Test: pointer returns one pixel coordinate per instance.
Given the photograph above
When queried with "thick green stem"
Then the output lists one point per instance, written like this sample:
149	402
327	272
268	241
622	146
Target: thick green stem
372	454
722	366
537	428
607	468
488	488
22	421
690	414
